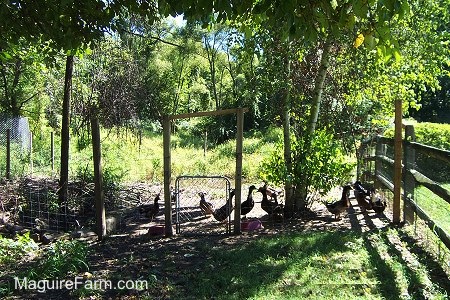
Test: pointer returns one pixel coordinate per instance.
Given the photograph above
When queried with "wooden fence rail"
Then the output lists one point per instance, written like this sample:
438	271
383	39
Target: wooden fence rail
411	178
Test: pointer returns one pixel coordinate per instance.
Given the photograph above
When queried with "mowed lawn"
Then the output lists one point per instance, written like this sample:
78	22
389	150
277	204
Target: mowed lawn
316	265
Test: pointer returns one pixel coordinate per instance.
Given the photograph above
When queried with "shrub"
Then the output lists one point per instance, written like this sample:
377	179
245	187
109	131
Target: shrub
321	169
431	134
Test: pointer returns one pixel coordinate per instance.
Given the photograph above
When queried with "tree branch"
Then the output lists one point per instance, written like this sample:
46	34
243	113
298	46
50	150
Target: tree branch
152	38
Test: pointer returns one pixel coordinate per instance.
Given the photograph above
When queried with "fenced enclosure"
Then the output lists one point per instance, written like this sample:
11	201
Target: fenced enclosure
189	216
425	185
16	140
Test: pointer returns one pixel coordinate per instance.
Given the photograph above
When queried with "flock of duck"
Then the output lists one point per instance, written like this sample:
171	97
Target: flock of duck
367	200
271	207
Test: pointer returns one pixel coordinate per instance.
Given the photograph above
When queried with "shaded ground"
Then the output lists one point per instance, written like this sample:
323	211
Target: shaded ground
171	264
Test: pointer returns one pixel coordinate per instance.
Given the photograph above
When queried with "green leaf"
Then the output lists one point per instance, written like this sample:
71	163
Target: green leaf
369	41
397	54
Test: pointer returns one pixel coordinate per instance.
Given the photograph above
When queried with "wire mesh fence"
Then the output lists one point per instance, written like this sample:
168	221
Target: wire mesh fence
432	244
15	139
195	217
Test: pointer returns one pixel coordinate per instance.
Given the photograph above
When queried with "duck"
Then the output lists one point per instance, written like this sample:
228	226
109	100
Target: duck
150	210
360	195
268	206
206	207
278	212
223	212
338	207
378	205
248	204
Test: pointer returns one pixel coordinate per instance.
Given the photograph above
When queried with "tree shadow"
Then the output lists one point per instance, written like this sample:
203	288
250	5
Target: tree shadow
385	275
433	267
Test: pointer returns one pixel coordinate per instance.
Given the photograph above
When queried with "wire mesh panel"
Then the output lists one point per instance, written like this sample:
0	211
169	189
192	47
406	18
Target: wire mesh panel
19	146
41	208
19	130
194	217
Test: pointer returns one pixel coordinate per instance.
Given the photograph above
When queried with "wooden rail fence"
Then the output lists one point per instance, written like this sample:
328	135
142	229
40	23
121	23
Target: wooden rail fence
370	164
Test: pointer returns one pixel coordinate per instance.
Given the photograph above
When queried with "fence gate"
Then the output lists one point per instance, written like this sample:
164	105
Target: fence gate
189	217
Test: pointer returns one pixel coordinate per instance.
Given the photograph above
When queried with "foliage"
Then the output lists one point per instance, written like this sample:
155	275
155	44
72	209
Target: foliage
298	21
370	84
61	259
112	176
12	250
322	168
23	76
432	134
434	103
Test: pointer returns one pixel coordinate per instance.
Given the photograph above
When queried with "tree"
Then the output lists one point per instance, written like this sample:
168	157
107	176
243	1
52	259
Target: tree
68	27
21	79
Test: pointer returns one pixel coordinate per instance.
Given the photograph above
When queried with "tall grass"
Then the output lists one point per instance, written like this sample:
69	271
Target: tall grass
133	161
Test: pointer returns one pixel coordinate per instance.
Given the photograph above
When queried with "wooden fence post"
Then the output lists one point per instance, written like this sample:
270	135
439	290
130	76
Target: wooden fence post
167	177
98	178
8	154
397	162
408	179
205	142
238	176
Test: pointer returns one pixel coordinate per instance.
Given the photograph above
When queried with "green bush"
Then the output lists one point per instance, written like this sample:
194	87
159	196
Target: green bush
63	258
14	249
324	167
431	134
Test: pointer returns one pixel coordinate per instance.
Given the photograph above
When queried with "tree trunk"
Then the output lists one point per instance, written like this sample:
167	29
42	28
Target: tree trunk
65	139
212	53
318	88
289	202
302	190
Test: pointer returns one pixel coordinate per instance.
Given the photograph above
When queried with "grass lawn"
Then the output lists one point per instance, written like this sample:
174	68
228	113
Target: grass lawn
318	265
437	208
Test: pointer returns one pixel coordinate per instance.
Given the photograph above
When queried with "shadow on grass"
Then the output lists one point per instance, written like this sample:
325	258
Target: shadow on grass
246	270
414	283
385	275
437	274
